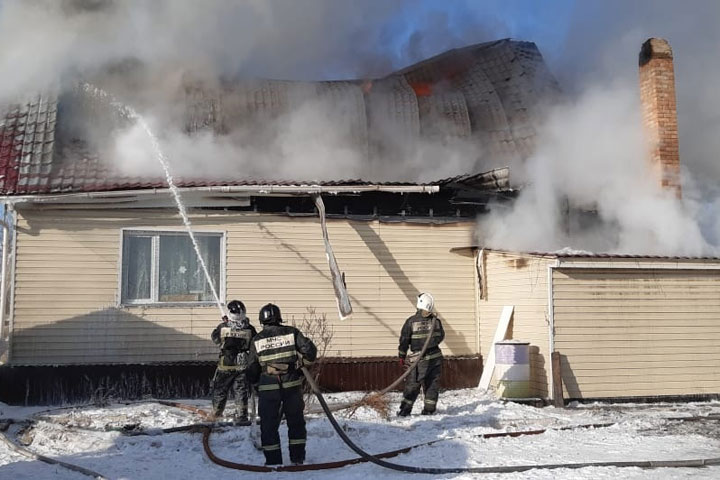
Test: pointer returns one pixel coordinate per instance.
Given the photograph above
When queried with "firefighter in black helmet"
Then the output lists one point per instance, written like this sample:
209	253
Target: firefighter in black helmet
277	354
426	370
234	335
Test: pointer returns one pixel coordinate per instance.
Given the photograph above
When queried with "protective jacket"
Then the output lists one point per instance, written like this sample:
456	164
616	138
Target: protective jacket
235	341
275	363
414	333
426	371
274	356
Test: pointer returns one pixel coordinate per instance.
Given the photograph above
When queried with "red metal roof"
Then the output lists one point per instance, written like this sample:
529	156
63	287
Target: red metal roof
27	137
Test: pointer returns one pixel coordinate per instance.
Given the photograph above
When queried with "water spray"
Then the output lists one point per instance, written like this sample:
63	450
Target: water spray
130	113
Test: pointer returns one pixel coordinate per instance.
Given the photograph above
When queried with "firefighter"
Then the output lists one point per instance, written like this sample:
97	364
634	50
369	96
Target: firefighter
278	353
426	370
234	335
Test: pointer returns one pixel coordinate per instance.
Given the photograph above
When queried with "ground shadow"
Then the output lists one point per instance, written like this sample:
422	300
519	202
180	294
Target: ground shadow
572	388
538	375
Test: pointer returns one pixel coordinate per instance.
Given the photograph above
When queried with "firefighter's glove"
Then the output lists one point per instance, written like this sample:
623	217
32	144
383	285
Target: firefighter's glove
242	360
225	318
302	362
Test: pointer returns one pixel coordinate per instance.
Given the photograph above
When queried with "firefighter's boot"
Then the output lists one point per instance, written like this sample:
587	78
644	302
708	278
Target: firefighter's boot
405	410
241	416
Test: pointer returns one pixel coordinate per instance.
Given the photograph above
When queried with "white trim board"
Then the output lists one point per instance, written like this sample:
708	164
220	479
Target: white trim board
500	333
705	265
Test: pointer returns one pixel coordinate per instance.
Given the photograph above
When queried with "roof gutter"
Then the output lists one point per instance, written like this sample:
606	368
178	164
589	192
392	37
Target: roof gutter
661	264
223	190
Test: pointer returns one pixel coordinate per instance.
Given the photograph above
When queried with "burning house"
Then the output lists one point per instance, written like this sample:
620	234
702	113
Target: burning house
102	286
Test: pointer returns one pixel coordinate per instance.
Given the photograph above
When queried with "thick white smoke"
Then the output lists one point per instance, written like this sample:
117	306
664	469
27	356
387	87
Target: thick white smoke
285	39
302	144
602	43
313	140
143	52
590	150
591	156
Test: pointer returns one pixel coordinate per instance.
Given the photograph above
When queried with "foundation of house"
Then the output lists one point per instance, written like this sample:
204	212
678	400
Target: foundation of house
70	384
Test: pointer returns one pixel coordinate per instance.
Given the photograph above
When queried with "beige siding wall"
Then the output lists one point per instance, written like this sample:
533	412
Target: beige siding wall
519	280
66	286
637	332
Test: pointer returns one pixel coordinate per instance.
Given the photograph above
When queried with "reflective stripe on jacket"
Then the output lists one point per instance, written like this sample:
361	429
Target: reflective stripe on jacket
234	345
274	354
416	330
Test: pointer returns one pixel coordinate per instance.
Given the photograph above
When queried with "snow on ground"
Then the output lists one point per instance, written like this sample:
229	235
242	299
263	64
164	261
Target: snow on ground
80	436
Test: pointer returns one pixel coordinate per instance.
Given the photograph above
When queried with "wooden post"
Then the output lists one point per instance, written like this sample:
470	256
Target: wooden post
557	389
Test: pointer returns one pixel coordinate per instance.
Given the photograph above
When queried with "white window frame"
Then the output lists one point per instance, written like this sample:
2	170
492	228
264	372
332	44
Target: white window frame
155	233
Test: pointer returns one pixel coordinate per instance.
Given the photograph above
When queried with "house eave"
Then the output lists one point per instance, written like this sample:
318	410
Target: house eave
212	192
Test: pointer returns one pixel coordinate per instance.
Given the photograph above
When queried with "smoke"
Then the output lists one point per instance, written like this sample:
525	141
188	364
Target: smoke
303	143
602	42
286	39
590	149
144	53
314	137
591	157
590	153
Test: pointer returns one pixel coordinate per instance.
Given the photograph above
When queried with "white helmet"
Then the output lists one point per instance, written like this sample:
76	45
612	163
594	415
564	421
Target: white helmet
425	302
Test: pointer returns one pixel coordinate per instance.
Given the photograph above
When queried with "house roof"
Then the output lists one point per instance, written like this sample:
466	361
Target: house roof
488	92
27	144
580	254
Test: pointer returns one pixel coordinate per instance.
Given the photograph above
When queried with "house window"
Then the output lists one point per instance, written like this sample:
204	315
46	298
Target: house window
162	267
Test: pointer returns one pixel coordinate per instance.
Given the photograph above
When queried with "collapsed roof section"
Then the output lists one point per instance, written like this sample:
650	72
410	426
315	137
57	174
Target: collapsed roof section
491	96
489	93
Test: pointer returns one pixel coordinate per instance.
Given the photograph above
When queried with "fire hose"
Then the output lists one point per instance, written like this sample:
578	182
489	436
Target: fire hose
502	469
51	461
342	463
206	429
378	458
397	380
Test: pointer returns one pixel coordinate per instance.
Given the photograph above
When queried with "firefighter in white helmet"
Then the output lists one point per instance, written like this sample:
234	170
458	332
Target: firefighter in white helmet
234	336
426	370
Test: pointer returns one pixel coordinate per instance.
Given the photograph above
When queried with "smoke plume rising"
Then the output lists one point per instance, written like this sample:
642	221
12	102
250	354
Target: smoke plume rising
590	152
591	157
590	149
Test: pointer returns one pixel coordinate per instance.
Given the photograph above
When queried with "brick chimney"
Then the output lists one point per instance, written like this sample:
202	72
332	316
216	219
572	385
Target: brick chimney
657	95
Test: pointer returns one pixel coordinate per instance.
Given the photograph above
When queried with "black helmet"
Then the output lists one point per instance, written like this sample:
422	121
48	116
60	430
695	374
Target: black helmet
270	314
236	306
